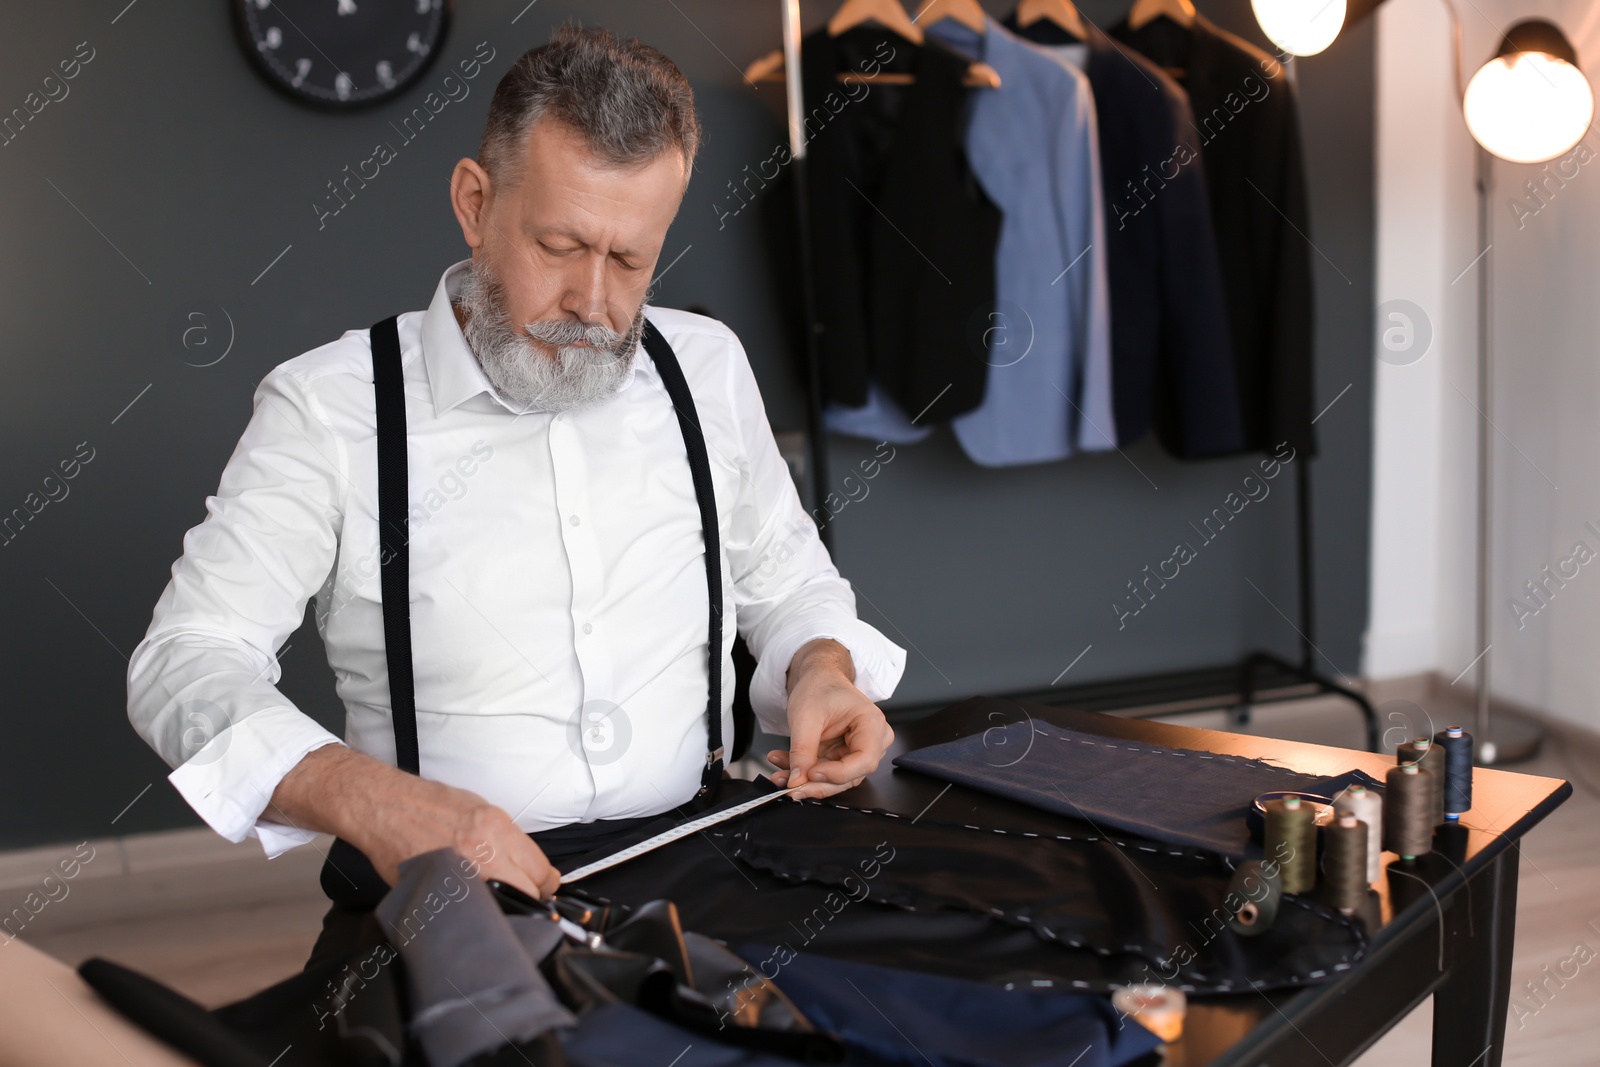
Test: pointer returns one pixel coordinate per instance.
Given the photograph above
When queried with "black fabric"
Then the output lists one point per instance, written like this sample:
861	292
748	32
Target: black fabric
1171	350
394	558
904	238
169	1015
1176	795
1249	129
1077	911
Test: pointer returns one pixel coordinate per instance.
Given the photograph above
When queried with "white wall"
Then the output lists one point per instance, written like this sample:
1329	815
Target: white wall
1545	259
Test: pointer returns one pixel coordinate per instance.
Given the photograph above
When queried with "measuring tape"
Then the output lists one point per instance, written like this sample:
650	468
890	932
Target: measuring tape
694	826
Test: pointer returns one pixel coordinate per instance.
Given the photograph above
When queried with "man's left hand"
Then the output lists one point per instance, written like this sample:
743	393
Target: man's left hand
836	735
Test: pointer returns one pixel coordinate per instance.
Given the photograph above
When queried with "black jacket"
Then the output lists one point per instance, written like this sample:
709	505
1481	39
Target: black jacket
1171	352
1249	131
903	237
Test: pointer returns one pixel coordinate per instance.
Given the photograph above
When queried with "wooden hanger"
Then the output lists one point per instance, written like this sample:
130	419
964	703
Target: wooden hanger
1147	11
1060	12
966	12
770	68
887	13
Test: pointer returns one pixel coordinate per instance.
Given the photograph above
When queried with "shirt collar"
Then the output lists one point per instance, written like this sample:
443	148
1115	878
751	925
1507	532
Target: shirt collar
454	373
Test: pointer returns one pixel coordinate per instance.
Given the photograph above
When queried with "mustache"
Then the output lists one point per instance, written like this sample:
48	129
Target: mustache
561	334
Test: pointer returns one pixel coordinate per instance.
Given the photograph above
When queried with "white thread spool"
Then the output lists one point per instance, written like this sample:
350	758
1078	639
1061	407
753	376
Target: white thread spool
1367	806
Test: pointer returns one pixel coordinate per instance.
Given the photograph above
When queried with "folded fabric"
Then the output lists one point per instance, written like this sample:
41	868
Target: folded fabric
471	984
1177	795
889	1016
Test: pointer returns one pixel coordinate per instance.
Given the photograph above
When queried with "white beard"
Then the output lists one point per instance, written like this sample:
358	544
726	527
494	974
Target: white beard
576	377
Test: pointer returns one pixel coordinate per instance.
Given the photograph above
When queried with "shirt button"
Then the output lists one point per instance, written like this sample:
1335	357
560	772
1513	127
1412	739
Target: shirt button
558	417
573	519
588	629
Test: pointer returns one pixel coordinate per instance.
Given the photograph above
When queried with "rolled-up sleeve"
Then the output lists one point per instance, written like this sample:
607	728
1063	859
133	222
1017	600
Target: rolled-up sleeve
202	684
786	588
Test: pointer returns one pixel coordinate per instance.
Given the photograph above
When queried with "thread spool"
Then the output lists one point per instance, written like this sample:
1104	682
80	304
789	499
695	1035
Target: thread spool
1158	1008
1344	863
1456	744
1291	842
1408	812
1367	806
1430	758
1253	897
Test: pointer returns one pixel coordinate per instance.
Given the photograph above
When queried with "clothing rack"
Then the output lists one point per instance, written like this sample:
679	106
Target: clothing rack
1259	678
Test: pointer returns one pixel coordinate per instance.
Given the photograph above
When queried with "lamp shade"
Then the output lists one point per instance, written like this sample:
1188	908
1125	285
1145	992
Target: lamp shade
1530	102
1300	27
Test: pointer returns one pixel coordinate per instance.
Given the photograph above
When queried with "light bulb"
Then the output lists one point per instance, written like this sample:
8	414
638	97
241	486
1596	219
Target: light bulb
1301	27
1529	104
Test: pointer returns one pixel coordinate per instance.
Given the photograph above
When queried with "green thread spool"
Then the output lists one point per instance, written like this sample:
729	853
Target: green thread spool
1344	863
1290	839
1408	812
1253	897
1430	758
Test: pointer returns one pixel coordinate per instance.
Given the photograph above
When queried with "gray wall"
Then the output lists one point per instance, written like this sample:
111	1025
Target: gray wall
170	178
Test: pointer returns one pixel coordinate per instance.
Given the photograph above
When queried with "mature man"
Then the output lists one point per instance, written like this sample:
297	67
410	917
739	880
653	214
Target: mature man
557	558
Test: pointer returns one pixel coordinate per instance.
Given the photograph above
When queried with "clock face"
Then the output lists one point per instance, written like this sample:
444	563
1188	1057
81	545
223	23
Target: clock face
341	53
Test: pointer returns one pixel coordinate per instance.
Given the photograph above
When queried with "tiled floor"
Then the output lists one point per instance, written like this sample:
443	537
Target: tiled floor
218	921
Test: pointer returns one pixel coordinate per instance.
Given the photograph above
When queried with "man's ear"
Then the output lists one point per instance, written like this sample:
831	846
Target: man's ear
470	197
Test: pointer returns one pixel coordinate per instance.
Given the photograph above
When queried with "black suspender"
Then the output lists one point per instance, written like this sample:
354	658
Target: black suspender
395	557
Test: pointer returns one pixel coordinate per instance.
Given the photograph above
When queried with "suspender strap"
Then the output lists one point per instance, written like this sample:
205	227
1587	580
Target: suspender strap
394	556
388	385
694	443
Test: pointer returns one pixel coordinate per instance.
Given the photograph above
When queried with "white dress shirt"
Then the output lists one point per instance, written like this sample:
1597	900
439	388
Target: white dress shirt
558	584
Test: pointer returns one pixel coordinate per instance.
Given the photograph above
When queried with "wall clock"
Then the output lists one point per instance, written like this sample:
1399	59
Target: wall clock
341	53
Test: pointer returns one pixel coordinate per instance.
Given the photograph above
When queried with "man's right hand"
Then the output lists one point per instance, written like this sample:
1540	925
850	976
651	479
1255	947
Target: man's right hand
392	816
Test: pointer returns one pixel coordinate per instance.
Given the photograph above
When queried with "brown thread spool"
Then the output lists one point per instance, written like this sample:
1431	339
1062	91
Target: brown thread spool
1430	758
1408	812
1367	806
1344	863
1290	839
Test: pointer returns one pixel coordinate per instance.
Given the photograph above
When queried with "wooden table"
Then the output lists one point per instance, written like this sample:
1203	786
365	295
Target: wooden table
1444	923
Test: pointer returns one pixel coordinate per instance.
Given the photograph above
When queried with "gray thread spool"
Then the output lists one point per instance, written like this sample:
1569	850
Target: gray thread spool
1257	888
1430	758
1367	806
1344	863
1290	839
1407	812
1457	746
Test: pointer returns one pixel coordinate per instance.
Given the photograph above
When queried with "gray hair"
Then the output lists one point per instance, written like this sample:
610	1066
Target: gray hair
627	100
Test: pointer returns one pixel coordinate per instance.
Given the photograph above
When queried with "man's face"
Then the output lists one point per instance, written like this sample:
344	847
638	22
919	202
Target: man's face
574	239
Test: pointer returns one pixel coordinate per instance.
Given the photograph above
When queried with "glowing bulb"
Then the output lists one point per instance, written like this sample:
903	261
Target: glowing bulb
1302	27
1526	104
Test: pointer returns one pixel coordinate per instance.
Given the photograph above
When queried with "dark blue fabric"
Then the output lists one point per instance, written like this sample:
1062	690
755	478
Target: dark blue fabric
890	1016
1176	795
620	1035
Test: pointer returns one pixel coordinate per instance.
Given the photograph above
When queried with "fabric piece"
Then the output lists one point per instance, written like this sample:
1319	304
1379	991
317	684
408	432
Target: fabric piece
1180	796
1172	351
880	419
471	986
886	1015
904	236
1034	145
557	581
1249	130
991	903
620	1035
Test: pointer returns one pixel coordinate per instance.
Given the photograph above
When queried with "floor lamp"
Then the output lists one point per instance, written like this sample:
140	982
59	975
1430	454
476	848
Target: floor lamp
1529	103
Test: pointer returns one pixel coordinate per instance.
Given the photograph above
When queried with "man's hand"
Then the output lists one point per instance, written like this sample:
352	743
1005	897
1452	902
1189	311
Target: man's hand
836	735
392	816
